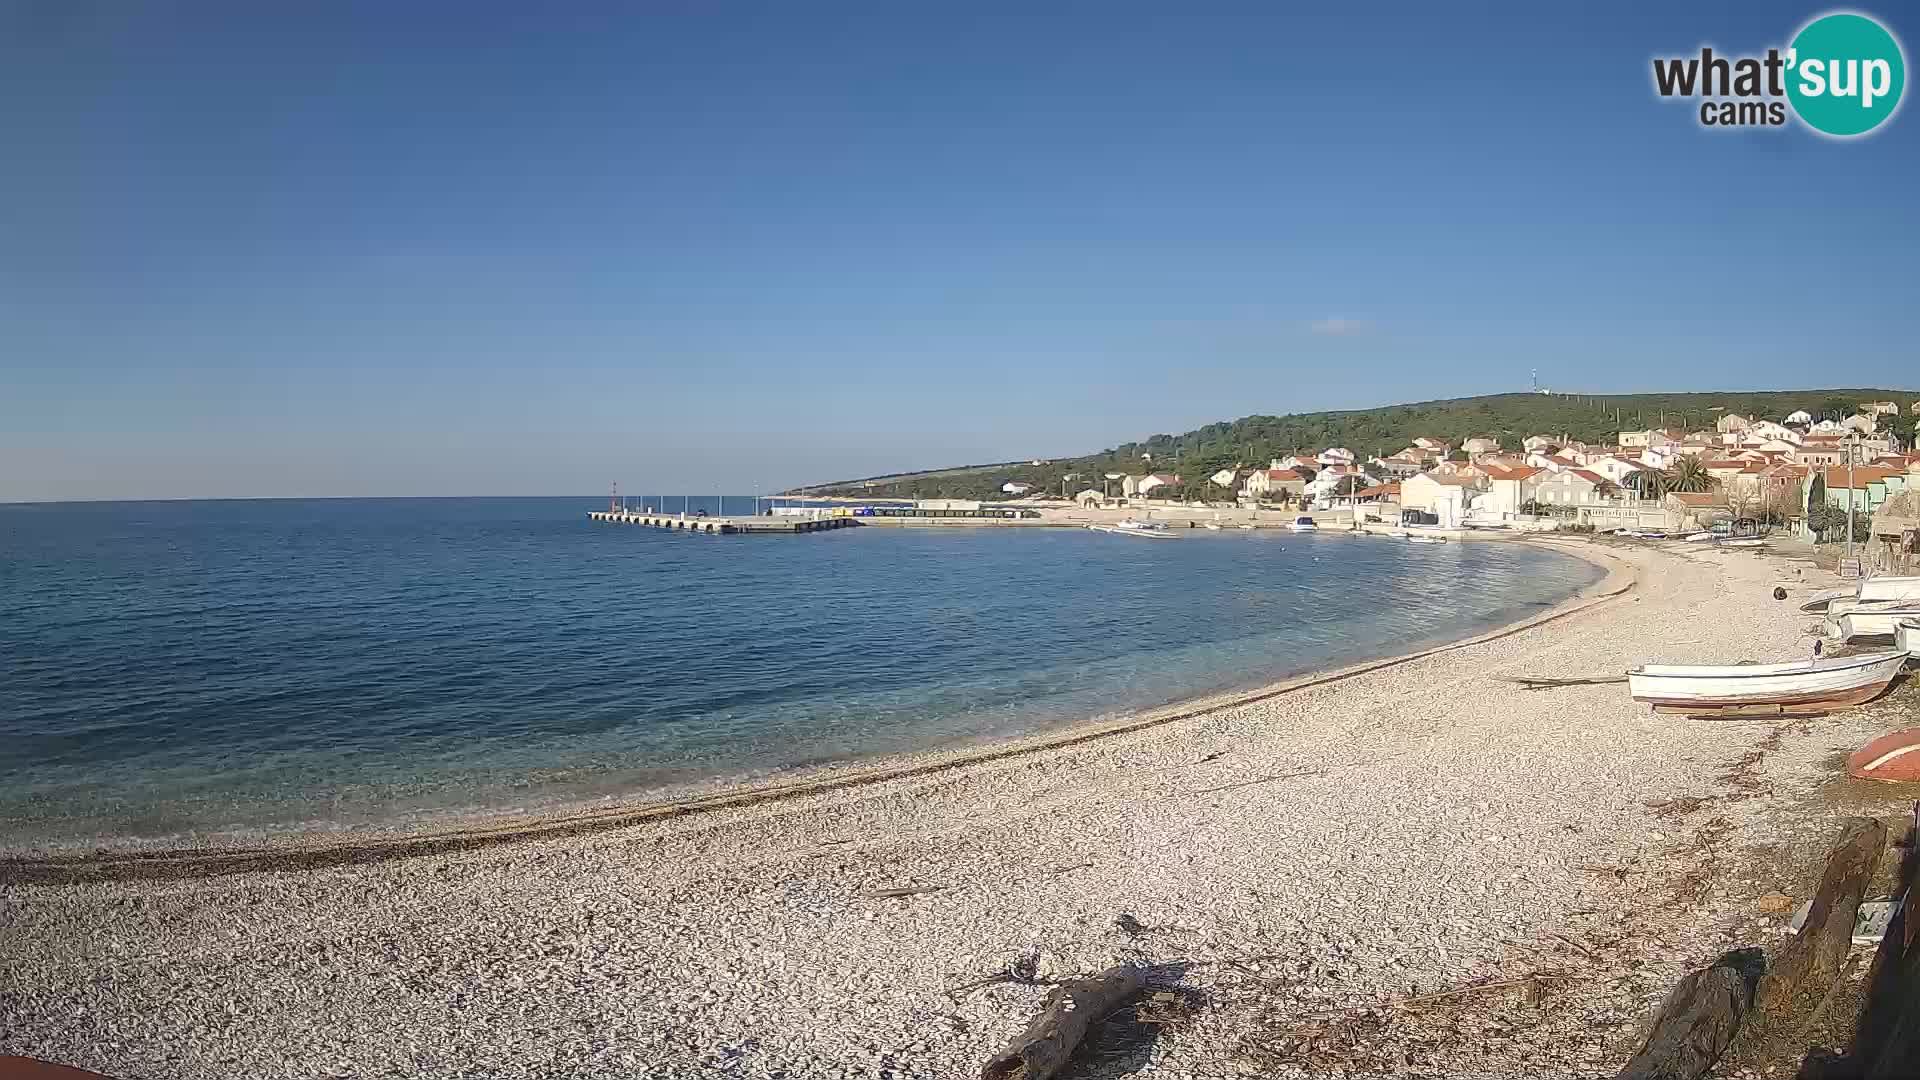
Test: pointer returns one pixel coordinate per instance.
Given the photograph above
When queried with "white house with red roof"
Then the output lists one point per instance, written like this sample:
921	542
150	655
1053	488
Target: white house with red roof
1271	484
1574	487
1507	490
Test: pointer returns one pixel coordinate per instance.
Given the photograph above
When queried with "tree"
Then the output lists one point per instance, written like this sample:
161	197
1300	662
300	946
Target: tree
1689	474
1606	489
1829	522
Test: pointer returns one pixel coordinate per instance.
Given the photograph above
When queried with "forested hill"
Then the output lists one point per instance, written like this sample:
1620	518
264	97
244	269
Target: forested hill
1254	440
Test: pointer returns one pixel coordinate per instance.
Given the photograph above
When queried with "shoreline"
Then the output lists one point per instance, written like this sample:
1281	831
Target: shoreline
1419	829
313	850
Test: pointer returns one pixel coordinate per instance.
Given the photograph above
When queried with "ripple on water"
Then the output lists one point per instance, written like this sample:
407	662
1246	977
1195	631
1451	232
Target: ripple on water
179	668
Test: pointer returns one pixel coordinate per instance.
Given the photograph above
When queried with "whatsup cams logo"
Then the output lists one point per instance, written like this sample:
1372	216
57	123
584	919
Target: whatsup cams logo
1842	75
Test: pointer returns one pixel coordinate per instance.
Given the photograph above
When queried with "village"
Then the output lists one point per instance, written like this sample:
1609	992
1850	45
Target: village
1794	476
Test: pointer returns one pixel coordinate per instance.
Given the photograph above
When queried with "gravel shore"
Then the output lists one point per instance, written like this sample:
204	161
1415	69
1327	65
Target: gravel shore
1345	850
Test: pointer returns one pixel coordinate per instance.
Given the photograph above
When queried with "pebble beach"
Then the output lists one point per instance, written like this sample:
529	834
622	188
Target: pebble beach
1356	853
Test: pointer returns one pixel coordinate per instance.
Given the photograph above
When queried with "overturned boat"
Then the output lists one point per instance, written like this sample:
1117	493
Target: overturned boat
1869	618
1798	688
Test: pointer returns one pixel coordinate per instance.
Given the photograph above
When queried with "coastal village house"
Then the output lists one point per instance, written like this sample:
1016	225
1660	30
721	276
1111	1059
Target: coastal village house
1689	509
1573	487
1506	492
1399	466
1134	487
1270	485
1324	486
1480	444
1445	497
1765	430
1231	479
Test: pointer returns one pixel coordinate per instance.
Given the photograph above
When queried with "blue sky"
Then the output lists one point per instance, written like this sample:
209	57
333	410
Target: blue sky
395	249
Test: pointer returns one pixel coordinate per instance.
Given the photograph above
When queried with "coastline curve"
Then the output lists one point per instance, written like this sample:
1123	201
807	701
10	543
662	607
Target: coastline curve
296	854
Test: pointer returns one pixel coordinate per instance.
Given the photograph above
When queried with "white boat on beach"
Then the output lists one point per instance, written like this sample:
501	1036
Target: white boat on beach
1906	637
1243	525
1803	686
1697	537
1819	601
1871	590
1303	523
1152	530
1869	619
1426	539
1211	525
1889	588
1742	542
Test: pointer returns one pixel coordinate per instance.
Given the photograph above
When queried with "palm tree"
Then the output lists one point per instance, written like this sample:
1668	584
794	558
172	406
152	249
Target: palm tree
1606	489
1648	483
1688	474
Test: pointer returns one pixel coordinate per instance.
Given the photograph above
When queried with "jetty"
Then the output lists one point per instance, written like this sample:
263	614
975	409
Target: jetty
774	523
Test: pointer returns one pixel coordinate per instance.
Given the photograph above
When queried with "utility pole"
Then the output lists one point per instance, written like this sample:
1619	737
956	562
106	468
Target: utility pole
1851	444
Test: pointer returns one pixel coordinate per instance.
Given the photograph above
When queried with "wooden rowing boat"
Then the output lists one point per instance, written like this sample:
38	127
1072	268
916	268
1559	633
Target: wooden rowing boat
1797	688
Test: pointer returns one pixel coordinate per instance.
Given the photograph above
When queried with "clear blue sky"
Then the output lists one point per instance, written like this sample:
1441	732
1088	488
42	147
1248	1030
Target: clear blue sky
407	248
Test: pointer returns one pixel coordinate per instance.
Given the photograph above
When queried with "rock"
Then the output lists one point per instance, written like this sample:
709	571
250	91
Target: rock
1775	903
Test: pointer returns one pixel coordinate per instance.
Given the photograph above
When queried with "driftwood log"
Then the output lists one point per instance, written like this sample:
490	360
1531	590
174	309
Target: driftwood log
1703	1014
1805	967
1069	1010
1694	1026
1886	1041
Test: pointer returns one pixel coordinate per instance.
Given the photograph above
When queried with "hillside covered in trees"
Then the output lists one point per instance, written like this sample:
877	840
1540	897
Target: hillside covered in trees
1254	440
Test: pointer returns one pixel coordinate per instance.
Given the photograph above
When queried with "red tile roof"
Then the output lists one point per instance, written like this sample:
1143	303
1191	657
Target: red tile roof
1590	477
1836	475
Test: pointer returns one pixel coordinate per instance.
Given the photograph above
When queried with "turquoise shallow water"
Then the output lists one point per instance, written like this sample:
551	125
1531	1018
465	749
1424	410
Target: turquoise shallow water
179	669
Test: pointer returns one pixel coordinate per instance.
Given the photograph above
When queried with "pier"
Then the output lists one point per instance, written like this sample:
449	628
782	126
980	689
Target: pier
780	523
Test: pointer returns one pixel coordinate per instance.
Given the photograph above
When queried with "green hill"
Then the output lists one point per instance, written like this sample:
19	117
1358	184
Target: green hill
1254	440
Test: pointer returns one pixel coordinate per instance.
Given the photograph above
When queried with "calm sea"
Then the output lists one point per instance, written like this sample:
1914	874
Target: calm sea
183	669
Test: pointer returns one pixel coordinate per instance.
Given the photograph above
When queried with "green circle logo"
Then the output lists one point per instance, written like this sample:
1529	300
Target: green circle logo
1845	74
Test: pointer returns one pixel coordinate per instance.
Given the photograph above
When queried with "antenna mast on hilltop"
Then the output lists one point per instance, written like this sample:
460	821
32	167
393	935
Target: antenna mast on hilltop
1536	380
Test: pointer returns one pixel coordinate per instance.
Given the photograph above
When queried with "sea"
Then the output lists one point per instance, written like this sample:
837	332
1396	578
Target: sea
196	672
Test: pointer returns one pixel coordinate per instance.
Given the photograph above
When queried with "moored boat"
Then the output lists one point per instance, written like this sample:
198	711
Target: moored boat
1803	686
1906	637
1152	530
1426	539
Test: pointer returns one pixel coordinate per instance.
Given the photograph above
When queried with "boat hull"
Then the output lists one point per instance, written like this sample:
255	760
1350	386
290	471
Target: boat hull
1890	588
1864	622
1766	689
1906	638
1115	530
